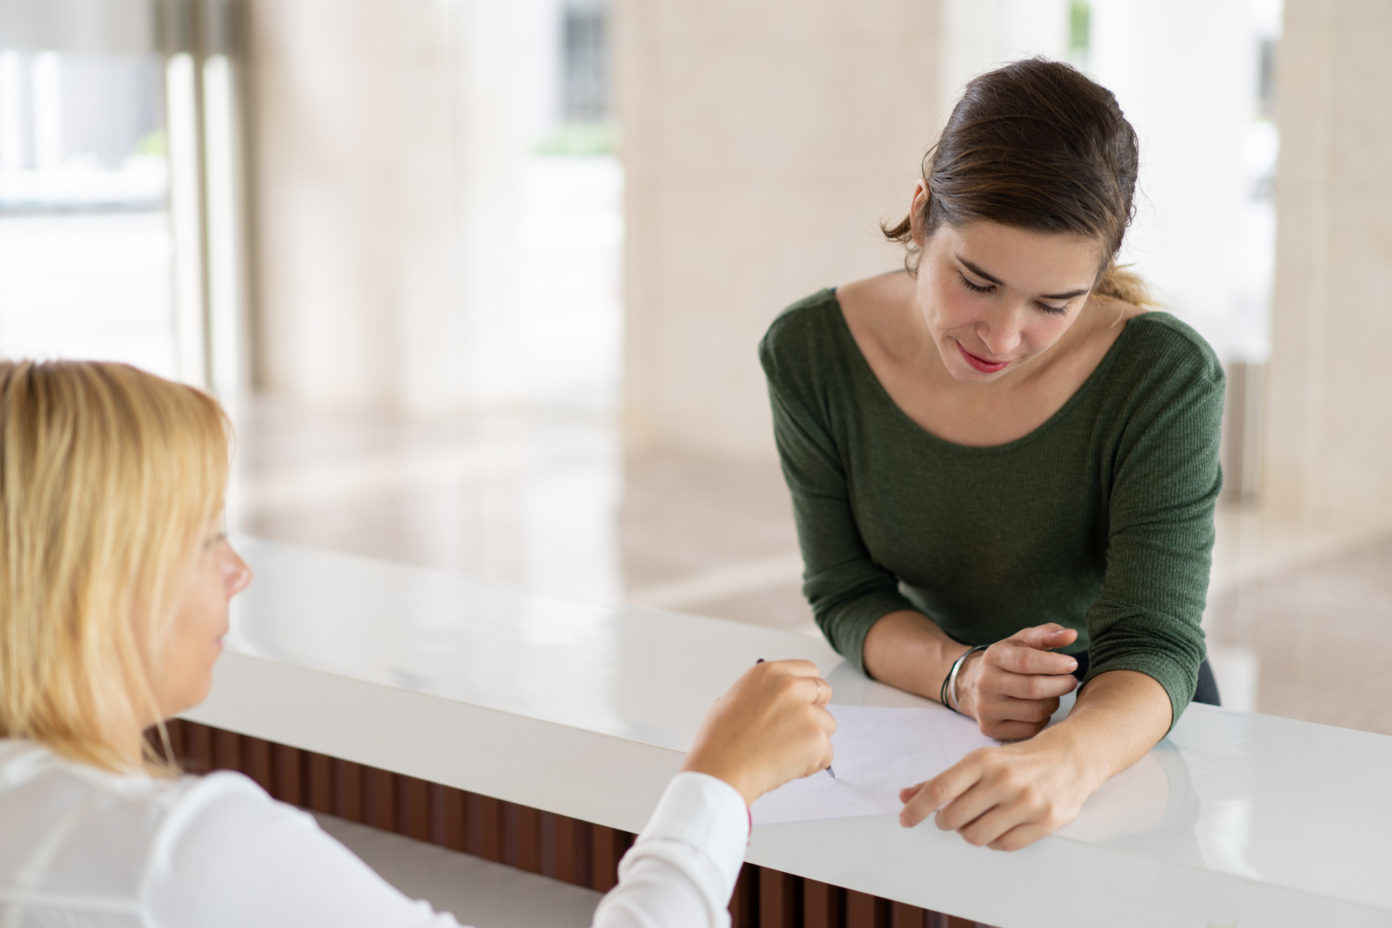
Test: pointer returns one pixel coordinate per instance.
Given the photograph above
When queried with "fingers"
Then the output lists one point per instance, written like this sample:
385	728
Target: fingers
1035	687
928	797
1011	731
1010	709
797	668
1018	657
813	690
1050	635
982	800
907	792
992	825
1020	836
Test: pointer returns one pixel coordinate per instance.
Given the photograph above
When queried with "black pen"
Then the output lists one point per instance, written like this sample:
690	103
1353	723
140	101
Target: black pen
829	770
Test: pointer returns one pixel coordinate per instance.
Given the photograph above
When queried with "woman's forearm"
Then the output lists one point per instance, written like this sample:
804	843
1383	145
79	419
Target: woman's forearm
907	651
1119	716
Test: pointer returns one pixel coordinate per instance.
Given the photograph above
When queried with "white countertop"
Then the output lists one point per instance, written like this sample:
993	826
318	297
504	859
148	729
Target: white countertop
1235	819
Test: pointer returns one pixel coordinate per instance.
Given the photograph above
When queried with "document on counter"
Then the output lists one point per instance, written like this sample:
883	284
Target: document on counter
878	752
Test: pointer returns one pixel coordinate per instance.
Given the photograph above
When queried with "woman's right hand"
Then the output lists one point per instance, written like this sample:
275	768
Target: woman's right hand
1013	687
772	726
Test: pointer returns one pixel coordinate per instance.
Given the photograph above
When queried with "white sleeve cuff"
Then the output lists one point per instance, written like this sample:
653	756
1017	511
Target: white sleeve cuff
707	815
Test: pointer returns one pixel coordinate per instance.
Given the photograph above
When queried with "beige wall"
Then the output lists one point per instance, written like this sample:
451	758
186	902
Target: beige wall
761	145
1329	447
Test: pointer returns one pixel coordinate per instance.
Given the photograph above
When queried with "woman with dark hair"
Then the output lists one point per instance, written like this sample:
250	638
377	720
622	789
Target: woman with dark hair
1003	467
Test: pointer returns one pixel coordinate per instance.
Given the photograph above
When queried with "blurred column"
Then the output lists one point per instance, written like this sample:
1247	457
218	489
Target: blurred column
1185	74
761	145
385	165
1330	381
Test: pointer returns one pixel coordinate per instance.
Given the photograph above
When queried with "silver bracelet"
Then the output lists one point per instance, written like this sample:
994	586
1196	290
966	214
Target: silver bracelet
950	684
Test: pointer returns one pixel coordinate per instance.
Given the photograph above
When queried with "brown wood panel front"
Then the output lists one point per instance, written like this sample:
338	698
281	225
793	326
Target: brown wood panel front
780	899
562	848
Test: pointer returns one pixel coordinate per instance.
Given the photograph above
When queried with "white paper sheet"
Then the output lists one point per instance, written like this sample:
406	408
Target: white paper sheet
878	752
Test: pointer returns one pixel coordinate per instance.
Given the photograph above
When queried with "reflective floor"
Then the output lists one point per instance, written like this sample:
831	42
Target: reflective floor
1299	620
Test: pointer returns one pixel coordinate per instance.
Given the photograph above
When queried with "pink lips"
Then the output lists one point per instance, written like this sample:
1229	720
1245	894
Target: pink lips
981	364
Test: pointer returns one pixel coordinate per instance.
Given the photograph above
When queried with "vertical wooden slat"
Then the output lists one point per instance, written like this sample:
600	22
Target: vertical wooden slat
286	774
903	915
447	817
866	911
379	799
319	782
198	747
484	816
744	901
821	906
347	787
605	851
779	895
256	762
562	835
176	730
412	807
953	921
522	838
581	870
546	836
227	750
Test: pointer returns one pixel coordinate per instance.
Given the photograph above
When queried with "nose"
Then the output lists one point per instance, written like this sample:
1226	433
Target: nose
237	574
1001	335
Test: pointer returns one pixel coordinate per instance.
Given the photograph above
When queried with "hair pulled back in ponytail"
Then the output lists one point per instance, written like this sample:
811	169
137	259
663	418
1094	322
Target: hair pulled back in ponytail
1038	145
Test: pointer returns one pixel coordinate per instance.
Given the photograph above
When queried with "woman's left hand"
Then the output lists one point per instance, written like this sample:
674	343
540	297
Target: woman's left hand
1004	797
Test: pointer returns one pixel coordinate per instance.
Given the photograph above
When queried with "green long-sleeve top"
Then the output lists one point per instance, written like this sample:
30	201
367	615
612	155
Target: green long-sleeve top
1100	519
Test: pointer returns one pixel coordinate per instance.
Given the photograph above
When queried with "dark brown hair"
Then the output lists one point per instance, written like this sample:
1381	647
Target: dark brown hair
1037	145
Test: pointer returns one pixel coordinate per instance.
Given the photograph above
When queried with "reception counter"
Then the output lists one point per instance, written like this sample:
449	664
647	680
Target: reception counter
541	733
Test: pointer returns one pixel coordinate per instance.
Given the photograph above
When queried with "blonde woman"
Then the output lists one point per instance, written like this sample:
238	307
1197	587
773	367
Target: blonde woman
115	579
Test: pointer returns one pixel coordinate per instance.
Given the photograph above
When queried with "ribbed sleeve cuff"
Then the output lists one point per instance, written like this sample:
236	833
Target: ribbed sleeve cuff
708	815
847	625
1178	681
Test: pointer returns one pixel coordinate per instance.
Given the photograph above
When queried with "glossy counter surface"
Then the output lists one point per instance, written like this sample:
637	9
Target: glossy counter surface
1235	819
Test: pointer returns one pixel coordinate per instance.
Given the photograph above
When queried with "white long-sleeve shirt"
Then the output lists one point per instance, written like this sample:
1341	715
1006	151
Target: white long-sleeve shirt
80	846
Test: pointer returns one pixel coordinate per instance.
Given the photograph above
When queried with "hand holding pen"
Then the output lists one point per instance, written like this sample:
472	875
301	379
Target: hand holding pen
831	772
772	726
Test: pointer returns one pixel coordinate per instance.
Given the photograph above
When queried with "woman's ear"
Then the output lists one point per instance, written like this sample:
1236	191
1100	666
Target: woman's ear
918	212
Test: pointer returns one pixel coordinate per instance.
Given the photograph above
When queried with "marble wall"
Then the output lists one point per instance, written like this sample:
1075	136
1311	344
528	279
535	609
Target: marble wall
761	145
1329	434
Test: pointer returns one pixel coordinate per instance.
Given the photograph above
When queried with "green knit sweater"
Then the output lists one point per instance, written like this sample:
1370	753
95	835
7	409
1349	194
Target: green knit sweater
1101	519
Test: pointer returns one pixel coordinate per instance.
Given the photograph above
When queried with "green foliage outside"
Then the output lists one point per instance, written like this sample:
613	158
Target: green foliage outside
156	143
597	138
1079	28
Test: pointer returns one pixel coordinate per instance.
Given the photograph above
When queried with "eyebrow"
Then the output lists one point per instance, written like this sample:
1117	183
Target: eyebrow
996	280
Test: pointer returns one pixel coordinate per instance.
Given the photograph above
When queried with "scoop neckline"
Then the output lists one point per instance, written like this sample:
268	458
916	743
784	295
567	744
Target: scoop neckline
863	365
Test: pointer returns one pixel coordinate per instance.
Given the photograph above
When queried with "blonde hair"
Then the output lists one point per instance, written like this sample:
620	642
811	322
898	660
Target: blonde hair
108	478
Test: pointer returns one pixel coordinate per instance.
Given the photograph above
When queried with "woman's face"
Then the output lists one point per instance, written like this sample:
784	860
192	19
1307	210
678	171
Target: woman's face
184	676
996	297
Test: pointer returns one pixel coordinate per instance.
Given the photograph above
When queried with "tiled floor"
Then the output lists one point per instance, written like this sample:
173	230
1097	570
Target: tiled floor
475	891
1299	621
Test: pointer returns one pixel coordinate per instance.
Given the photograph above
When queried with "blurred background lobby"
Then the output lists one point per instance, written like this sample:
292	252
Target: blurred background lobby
481	282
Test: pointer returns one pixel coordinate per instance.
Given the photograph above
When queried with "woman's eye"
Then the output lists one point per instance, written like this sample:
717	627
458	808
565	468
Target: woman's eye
976	288
1053	310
